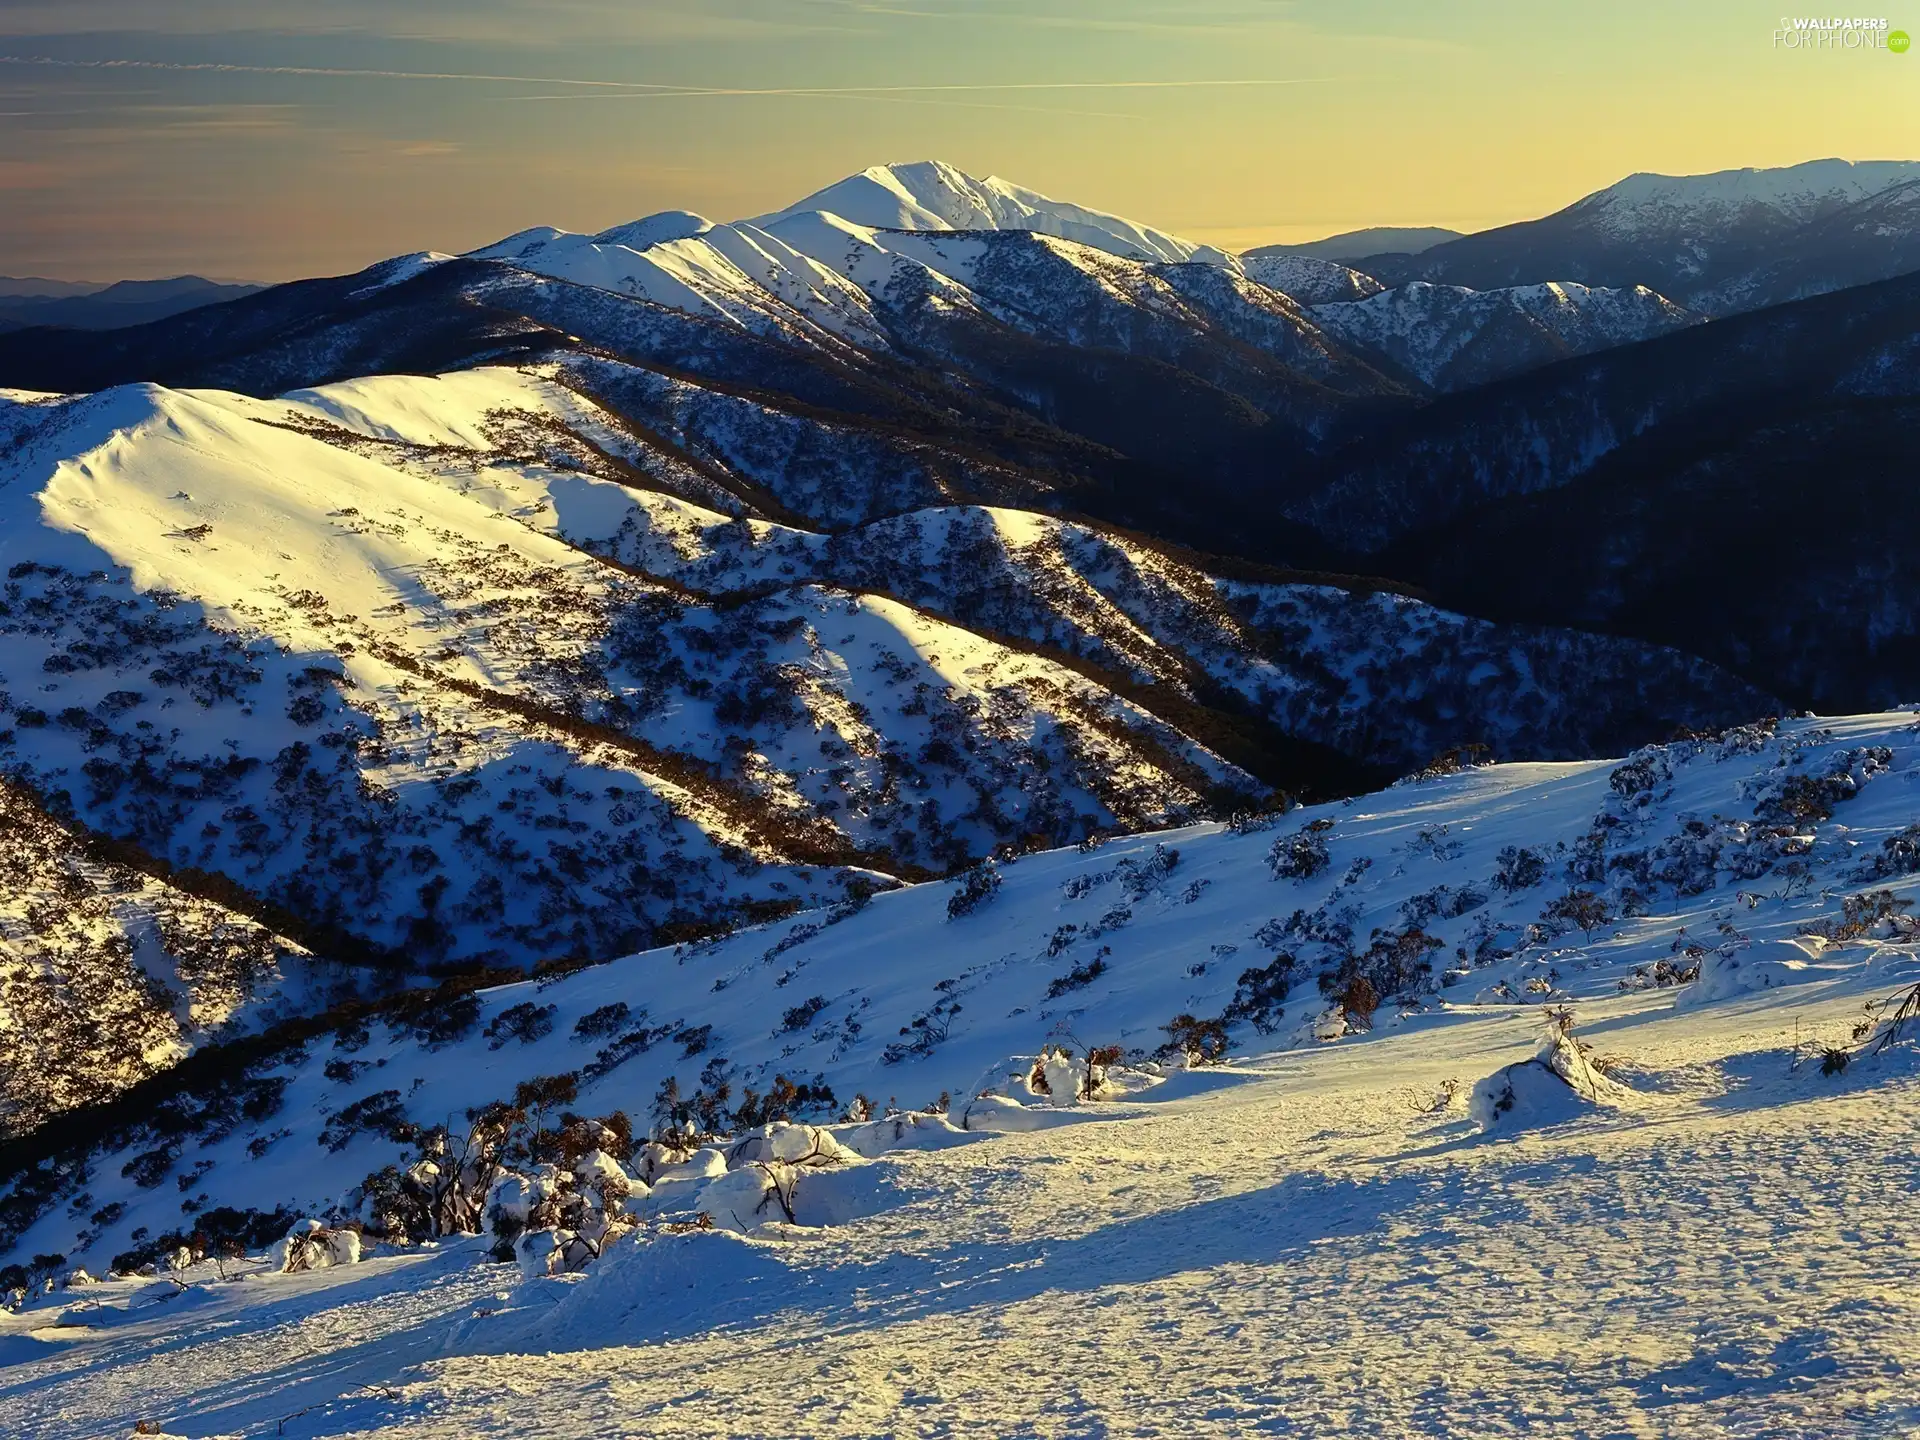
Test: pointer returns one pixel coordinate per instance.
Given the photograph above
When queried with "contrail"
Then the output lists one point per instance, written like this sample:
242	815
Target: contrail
668	91
640	89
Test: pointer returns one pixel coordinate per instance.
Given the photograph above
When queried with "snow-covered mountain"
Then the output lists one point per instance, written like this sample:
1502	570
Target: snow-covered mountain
889	258
1730	241
839	257
933	195
1647	206
1452	338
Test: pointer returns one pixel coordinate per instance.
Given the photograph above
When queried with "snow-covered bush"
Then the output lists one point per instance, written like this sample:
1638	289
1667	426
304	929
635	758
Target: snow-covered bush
1081	975
557	1217
525	1022
922	1033
1799	798
380	1113
540	1253
517	1203
1451	761
1578	910
784	1100
1635	780
446	1188
313	1245
785	1144
1059	1076
1519	869
606	1021
975	888
1394	963
656	1157
748	1197
1860	915
1560	1082
1303	854
902	1130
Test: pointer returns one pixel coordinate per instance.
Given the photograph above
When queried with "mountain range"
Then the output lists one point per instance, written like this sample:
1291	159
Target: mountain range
530	607
81	306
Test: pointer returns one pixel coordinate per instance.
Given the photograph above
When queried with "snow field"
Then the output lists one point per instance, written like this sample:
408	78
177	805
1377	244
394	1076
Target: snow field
1291	1245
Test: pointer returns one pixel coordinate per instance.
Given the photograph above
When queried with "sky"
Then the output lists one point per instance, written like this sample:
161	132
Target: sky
269	139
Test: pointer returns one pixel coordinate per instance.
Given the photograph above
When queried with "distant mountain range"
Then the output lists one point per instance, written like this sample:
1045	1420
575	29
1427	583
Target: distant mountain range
1721	243
83	306
1357	244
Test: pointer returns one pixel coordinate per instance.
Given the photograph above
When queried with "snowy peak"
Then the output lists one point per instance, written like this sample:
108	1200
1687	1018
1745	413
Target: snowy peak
930	195
933	195
660	229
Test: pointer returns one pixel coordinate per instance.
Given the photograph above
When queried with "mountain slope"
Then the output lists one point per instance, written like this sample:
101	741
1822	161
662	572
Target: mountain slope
1452	338
397	628
110	973
1307	280
1692	389
1703	541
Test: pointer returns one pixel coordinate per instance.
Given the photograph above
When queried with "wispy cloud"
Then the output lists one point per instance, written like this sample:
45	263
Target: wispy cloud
316	71
1220	17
